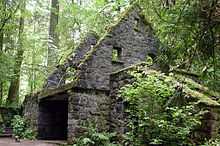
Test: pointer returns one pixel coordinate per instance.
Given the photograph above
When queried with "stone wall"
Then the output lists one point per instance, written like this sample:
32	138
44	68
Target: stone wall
118	116
94	72
84	47
31	110
87	106
210	123
58	76
131	37
135	37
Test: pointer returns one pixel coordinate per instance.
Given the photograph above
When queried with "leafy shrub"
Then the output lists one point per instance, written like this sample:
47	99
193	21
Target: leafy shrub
18	125
1	124
20	128
1	129
212	142
150	121
94	138
29	134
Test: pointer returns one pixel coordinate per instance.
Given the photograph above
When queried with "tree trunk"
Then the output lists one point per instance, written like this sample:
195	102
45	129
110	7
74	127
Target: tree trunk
53	35
1	51
13	92
1	47
33	58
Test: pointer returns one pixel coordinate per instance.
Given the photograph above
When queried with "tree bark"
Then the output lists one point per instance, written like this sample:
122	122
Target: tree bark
1	47
53	35
13	92
33	58
1	51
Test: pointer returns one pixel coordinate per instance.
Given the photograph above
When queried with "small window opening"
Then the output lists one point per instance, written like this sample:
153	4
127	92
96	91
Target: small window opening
150	58
136	21
136	25
116	54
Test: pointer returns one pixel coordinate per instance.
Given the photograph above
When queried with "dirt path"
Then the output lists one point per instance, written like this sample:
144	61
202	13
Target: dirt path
11	142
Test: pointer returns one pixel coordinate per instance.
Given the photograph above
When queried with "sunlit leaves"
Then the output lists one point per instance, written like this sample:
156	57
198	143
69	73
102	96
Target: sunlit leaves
150	119
6	67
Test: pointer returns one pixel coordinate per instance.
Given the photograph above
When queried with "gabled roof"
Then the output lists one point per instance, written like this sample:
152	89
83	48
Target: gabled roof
111	27
49	92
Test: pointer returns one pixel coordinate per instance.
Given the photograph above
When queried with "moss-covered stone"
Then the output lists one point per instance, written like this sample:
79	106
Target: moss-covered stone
201	94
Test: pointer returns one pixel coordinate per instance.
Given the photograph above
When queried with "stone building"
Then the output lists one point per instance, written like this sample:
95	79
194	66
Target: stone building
58	111
84	87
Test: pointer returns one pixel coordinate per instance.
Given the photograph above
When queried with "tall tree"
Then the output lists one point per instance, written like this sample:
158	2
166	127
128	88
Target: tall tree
1	49
7	9
15	82
2	8
53	35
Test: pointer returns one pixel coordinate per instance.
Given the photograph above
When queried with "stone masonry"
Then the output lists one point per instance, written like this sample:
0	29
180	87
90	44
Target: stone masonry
61	109
90	96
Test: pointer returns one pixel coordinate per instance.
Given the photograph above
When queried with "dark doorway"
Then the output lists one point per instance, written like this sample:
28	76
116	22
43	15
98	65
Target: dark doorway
52	120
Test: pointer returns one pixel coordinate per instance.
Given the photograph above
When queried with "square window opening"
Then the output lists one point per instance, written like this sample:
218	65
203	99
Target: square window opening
116	54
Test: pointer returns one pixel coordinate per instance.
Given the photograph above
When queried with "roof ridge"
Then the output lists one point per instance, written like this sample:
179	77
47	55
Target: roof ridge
112	26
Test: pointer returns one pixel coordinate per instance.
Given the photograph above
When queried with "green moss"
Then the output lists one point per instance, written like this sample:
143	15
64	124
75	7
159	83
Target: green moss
90	52
50	92
197	87
202	98
191	88
196	90
132	67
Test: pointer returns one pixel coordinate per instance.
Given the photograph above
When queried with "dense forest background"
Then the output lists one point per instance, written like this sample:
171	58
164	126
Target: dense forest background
37	35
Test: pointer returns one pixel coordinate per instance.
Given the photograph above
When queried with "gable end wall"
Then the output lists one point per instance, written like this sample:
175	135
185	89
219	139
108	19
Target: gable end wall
135	38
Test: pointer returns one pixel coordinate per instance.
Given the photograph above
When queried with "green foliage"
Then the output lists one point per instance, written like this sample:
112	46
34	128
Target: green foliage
1	124
155	85
1	130
18	125
20	128
150	121
6	73
188	32
149	60
95	138
6	66
29	134
212	142
70	75
75	20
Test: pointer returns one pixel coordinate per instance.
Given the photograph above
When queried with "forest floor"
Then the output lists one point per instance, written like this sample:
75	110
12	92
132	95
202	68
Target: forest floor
11	142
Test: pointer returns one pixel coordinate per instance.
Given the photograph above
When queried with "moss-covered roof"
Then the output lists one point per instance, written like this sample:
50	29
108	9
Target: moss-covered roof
53	91
132	67
195	90
199	91
201	97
